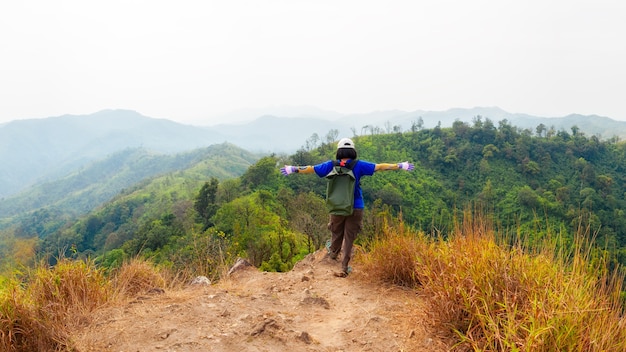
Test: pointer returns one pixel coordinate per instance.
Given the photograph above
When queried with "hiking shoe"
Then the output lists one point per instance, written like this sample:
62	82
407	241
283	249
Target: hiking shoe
344	273
341	274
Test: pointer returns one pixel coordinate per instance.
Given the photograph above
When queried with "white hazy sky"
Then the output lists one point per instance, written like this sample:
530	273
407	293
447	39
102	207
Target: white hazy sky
190	61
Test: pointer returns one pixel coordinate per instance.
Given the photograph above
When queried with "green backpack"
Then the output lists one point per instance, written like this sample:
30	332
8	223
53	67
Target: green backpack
340	189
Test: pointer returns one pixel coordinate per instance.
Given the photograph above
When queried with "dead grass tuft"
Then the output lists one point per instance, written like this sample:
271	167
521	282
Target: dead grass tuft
137	276
394	258
38	314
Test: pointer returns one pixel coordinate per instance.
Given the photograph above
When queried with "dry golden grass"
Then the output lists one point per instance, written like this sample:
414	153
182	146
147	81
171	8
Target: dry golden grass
494	297
137	276
393	257
69	289
38	314
18	325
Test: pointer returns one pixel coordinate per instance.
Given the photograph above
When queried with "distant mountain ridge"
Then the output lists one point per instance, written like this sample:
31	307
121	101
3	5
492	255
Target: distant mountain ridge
42	150
284	133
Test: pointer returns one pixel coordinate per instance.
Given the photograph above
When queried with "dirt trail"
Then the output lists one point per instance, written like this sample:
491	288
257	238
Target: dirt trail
306	309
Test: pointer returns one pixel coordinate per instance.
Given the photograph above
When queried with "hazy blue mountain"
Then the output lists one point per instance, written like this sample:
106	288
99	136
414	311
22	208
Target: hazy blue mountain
277	134
589	124
39	150
271	133
242	116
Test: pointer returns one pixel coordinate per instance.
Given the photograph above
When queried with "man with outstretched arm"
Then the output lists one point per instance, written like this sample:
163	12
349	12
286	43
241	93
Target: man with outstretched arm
344	229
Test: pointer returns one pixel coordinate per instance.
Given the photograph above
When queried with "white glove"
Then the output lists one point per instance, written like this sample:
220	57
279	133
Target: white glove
288	169
406	166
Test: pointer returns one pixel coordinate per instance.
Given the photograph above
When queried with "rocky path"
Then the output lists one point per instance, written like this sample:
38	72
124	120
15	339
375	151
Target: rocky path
306	309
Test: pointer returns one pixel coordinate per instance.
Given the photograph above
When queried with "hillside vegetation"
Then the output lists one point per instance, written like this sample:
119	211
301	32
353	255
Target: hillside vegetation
547	263
98	182
530	182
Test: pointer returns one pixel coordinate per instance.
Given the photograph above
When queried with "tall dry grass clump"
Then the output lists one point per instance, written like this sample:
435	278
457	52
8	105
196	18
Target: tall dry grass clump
394	257
137	276
40	310
69	290
496	297
38	313
19	325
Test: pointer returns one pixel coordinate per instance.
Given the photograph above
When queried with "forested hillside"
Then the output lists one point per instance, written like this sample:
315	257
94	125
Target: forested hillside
531	183
49	209
98	182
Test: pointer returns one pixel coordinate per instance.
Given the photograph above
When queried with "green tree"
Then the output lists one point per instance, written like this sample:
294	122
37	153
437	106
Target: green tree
256	228
154	235
263	174
307	214
206	202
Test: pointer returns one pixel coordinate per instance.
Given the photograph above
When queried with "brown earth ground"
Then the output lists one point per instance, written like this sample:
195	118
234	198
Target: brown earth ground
306	309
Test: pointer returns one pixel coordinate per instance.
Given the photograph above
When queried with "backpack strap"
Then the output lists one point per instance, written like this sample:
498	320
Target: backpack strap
349	165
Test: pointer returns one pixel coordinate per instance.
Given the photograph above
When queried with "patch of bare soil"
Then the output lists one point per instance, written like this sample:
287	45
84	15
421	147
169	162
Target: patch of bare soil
306	309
